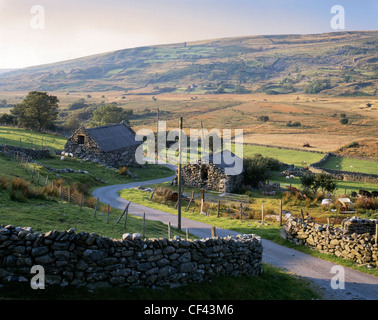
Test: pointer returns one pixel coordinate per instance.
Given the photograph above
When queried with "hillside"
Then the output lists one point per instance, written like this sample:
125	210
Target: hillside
342	63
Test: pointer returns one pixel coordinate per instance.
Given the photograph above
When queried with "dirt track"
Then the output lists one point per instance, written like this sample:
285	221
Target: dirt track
358	285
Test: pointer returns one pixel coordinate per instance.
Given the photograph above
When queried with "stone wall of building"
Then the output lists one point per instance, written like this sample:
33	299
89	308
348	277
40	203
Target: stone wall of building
209	176
88	260
89	151
356	241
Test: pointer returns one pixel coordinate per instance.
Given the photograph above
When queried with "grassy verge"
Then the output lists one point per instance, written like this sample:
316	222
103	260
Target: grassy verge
268	231
44	213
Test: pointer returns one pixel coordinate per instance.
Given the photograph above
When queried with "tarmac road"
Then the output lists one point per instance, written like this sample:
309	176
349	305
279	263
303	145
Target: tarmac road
357	285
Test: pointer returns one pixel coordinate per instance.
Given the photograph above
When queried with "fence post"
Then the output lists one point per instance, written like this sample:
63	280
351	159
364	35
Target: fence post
218	208
241	211
213	232
262	213
190	201
81	201
124	211
144	224
169	230
127	212
376	233
152	195
280	212
69	194
95	209
107	214
187	234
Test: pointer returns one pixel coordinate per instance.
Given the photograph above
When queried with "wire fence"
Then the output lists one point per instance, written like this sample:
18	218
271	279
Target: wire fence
55	188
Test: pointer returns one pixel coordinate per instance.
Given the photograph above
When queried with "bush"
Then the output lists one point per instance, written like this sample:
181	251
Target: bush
293	124
3	183
258	168
20	191
263	118
123	171
344	120
366	203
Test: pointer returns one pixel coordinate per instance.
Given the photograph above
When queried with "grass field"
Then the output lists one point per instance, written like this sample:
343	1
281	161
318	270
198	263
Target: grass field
298	158
30	139
51	213
47	214
349	164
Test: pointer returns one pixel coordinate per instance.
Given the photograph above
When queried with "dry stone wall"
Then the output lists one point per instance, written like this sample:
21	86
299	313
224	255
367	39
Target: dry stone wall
88	260
356	241
342	175
27	153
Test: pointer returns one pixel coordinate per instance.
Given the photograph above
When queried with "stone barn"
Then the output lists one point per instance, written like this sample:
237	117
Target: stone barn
210	175
111	145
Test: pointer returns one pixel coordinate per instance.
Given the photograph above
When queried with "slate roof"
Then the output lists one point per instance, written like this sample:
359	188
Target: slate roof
218	159
113	137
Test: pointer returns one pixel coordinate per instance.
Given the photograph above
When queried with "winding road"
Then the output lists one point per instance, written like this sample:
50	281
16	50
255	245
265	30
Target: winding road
357	285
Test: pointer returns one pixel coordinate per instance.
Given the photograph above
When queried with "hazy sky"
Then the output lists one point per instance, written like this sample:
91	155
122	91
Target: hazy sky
36	32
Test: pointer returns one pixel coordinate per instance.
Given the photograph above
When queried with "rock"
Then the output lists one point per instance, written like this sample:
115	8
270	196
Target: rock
127	236
93	255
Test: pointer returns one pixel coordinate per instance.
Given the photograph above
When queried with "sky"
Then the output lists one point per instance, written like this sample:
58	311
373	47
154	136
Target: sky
38	32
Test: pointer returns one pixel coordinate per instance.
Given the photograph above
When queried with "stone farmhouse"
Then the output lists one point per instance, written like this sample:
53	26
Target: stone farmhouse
210	175
111	145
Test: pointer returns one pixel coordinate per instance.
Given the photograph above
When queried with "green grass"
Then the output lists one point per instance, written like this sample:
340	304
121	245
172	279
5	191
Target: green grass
298	158
109	176
342	185
28	139
47	214
270	231
349	164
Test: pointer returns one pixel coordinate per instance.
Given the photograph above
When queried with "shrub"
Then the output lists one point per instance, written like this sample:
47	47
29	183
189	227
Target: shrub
366	203
123	171
3	183
293	124
344	121
263	118
20	185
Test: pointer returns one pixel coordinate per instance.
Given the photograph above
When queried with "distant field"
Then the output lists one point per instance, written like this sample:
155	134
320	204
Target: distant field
298	158
30	139
354	165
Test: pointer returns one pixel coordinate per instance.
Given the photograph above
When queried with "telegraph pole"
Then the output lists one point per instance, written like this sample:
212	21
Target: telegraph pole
179	182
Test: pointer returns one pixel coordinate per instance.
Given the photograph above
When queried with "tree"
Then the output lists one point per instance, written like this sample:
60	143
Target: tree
321	180
110	114
37	111
258	168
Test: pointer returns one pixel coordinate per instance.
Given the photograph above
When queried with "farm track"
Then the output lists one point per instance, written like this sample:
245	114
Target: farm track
358	285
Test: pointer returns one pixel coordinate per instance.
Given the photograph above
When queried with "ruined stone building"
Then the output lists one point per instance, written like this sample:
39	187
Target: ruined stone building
210	174
111	145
